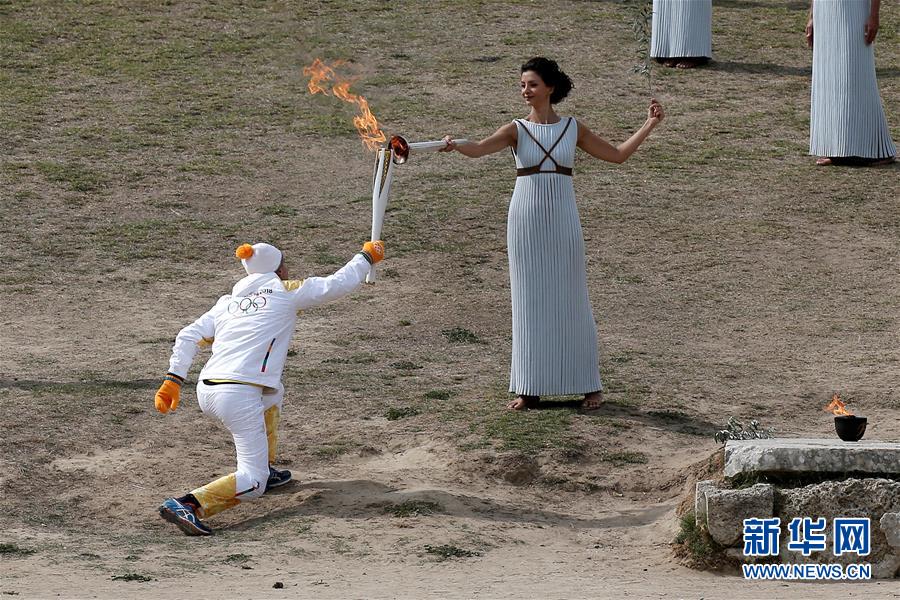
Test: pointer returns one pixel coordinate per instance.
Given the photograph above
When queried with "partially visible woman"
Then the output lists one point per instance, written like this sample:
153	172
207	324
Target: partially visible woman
681	33
554	333
847	123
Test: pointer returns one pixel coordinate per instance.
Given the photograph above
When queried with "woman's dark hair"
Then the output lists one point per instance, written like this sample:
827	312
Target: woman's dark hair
551	75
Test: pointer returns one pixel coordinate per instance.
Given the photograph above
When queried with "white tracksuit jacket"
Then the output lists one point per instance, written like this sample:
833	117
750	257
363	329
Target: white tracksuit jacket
251	328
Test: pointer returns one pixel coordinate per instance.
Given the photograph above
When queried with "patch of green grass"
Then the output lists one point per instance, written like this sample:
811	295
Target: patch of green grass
610	422
21	195
669	414
14	549
460	335
525	37
360	358
131	577
148	238
393	414
156	340
448	551
624	457
413	508
75	176
211	165
336	449
693	538
277	210
323	255
530	431
406	365
237	558
438	394
629	279
625	356
341	546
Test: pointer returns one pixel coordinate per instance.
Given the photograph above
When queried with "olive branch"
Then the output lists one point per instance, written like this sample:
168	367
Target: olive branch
737	430
642	28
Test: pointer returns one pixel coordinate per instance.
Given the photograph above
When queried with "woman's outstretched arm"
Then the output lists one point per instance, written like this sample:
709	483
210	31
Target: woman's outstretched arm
597	147
505	137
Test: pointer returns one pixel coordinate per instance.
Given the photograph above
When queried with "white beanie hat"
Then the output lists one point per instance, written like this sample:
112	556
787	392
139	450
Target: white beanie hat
259	258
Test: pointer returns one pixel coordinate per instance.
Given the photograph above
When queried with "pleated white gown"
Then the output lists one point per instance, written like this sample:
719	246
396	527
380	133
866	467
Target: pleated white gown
554	333
846	115
681	28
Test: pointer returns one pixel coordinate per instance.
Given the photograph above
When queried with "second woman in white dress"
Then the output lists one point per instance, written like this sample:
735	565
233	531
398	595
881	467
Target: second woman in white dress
681	34
847	123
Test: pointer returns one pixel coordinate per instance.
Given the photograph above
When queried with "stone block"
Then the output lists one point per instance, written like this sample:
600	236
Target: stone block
727	509
799	456
700	491
875	498
890	526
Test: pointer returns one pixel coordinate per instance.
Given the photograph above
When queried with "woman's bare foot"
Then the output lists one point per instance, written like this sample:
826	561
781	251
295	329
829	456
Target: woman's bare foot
854	161
691	62
524	402
592	401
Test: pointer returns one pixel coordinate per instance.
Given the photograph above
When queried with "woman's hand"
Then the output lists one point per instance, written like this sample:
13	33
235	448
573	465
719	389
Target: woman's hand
655	113
809	32
451	145
871	29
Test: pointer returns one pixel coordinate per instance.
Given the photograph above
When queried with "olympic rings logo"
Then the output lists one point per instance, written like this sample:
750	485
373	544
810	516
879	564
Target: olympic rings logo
247	305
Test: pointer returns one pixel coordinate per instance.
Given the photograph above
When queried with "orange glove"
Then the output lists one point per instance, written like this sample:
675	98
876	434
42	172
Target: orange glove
374	251
168	393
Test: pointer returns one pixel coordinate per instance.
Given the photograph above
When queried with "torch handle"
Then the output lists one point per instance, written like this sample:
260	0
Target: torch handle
381	189
376	235
432	146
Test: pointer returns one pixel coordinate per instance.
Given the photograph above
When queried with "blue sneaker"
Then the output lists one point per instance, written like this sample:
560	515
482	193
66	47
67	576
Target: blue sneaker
277	478
184	516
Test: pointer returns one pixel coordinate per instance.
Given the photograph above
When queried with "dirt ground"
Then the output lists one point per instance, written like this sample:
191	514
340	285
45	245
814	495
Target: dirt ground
143	141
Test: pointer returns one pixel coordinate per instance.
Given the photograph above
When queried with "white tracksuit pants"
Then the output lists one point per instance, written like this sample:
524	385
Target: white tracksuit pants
251	413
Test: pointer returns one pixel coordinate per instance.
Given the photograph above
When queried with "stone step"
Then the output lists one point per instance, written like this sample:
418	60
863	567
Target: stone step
785	456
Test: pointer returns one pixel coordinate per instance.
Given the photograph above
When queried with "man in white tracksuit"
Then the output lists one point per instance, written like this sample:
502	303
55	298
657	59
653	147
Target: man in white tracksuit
250	331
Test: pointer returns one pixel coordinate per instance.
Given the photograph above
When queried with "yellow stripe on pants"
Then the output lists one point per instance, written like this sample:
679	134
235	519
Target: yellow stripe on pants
272	417
217	496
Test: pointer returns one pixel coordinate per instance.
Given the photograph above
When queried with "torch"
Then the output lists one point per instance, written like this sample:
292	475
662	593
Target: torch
402	149
396	152
323	79
381	188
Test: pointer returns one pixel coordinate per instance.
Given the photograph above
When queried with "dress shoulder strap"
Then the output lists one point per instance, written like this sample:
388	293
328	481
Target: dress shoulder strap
547	153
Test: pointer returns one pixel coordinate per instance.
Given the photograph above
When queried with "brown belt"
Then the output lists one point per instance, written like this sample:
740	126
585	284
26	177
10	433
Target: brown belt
525	171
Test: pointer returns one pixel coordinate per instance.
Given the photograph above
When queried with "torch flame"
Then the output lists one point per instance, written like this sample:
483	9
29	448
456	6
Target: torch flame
837	407
321	76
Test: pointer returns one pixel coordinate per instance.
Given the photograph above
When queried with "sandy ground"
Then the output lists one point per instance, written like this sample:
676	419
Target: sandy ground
144	141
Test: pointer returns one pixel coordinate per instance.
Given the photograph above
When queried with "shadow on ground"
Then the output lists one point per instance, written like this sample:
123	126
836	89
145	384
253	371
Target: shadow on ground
673	420
362	499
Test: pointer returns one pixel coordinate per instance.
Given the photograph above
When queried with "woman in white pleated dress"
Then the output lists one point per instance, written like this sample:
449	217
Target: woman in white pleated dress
554	333
681	32
847	124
